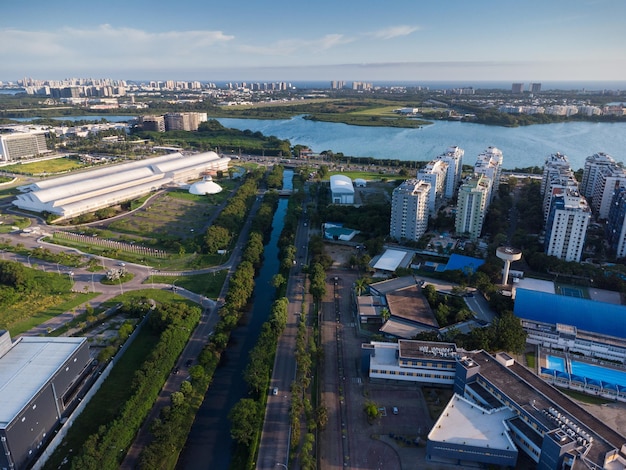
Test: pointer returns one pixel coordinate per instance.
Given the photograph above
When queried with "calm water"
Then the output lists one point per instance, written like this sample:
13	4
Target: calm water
599	373
209	443
590	371
521	146
556	363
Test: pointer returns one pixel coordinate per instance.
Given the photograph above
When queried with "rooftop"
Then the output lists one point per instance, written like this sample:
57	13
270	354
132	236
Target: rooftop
26	367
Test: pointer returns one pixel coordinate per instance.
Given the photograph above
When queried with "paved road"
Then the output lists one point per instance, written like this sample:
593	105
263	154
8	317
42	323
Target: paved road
276	434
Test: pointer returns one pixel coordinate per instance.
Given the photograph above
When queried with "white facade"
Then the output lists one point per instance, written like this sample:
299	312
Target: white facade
557	177
434	173
567	226
489	163
593	164
609	178
80	193
472	206
453	156
342	190
409	210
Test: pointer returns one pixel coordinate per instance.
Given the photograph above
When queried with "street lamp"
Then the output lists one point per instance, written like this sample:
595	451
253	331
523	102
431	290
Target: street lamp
93	286
58	270
28	259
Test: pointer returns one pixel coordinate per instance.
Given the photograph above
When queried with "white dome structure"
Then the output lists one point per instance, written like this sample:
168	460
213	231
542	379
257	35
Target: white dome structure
206	186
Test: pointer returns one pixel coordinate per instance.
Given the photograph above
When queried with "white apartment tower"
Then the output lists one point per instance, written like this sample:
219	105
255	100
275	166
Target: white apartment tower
434	173
472	205
608	180
557	174
593	165
409	210
453	156
489	163
567	225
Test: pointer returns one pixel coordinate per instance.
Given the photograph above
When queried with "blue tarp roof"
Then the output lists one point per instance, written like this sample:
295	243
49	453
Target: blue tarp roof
588	315
467	264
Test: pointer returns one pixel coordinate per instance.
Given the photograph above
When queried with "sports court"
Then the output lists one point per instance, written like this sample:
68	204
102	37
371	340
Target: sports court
572	291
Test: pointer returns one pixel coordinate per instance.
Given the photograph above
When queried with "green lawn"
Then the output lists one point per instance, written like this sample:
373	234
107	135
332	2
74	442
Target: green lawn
57	165
208	285
366	175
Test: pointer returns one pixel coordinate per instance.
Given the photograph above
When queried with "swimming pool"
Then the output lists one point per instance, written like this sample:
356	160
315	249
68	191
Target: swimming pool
556	363
607	376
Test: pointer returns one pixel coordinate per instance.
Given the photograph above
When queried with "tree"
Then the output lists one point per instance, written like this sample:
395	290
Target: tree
360	285
245	419
372	411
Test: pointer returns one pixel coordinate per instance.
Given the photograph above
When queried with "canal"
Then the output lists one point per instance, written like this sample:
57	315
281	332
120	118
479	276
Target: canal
209	444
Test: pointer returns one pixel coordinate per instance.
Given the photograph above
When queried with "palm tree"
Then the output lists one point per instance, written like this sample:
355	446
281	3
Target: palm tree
360	286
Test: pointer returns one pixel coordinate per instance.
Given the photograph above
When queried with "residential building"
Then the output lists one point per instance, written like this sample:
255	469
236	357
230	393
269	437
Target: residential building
434	173
22	145
557	174
489	163
517	88
616	224
609	179
453	156
535	87
184	121
152	123
473	200
409	210
567	223
593	164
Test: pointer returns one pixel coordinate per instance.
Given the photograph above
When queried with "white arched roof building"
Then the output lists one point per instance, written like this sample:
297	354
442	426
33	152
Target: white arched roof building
80	193
342	191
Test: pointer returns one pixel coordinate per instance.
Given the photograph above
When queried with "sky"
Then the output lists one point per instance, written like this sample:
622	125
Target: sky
368	40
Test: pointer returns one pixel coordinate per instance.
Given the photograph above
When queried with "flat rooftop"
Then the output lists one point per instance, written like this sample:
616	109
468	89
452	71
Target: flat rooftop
465	423
26	368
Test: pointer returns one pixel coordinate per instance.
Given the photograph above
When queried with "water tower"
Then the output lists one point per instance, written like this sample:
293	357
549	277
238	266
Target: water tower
509	255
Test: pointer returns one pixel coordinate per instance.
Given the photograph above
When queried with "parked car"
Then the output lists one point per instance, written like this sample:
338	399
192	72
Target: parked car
275	391
395	410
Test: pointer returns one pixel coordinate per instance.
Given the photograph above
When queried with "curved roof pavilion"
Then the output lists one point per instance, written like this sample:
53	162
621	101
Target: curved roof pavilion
79	193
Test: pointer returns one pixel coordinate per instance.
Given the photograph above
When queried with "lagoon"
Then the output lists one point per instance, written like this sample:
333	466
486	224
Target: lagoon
521	146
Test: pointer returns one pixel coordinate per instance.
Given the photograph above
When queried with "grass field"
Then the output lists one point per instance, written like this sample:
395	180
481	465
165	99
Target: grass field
208	285
58	165
366	175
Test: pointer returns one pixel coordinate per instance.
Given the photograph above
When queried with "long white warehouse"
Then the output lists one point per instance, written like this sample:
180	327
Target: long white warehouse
80	193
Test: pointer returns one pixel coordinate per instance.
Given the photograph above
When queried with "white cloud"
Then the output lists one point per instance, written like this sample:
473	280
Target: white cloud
394	32
290	47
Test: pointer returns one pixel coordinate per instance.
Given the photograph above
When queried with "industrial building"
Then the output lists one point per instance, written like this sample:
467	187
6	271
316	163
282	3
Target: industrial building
342	190
39	381
80	193
499	409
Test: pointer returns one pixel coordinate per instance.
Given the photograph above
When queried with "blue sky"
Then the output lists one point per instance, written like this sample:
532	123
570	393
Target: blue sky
245	40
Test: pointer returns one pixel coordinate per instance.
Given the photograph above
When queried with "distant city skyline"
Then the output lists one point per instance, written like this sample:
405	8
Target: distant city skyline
405	40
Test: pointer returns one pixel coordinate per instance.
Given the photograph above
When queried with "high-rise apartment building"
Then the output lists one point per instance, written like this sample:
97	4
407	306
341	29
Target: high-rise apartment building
593	164
535	87
453	156
517	88
609	179
22	145
184	121
434	173
471	207
616	224
152	123
566	228
409	210
489	163
557	174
